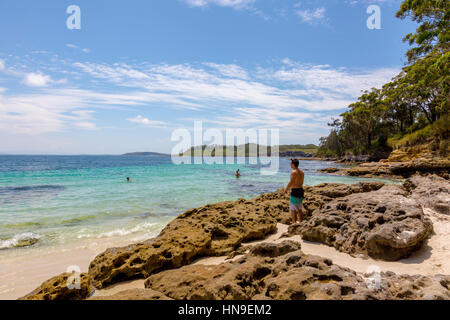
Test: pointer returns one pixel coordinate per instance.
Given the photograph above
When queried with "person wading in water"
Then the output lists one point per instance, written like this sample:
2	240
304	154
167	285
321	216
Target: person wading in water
297	192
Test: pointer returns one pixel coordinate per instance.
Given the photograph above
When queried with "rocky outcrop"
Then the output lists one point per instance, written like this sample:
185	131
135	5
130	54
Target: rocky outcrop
135	294
295	154
440	166
290	276
383	224
63	288
376	156
431	192
329	170
318	196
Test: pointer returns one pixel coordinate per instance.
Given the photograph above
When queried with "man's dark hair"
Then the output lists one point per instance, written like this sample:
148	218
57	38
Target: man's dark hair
295	162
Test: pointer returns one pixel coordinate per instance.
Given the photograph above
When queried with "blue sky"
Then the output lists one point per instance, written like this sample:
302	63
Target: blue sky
138	69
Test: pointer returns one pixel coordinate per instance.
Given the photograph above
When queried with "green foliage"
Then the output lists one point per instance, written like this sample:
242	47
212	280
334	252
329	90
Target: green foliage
439	132
434	29
309	148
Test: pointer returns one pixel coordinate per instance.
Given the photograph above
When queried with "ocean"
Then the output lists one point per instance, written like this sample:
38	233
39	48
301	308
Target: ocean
50	201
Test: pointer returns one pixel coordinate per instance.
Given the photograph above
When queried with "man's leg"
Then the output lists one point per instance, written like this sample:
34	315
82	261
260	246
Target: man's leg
300	215
294	216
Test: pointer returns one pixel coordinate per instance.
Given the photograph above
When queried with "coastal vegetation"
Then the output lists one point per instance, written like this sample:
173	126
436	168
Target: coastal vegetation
412	109
253	150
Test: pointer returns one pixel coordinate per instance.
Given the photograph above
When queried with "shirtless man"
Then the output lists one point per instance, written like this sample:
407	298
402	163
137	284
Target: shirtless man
297	193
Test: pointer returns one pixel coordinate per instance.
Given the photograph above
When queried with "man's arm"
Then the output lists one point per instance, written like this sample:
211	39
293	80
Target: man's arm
290	183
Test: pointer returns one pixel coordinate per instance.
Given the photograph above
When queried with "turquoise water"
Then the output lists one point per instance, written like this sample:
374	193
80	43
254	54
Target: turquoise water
48	200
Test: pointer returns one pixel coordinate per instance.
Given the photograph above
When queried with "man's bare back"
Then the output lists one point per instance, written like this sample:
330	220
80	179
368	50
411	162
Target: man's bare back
297	179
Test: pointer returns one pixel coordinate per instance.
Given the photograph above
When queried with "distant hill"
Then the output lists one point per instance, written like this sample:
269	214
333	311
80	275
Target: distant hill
284	150
308	148
147	154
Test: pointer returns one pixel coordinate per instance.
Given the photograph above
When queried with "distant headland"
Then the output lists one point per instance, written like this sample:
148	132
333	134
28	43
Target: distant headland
147	154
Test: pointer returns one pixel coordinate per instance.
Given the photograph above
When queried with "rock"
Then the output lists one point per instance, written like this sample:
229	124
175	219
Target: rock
318	196
382	224
274	250
135	294
410	153
431	192
417	287
406	169
57	289
353	158
290	276
329	170
294	154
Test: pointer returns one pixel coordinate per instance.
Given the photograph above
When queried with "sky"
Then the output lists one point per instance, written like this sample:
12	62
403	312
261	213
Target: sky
138	70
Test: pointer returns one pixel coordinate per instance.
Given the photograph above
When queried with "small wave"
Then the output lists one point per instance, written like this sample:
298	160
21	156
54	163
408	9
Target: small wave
20	240
120	232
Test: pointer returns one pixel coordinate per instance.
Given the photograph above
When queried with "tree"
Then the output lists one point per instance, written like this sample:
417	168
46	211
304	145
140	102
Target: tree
434	30
368	112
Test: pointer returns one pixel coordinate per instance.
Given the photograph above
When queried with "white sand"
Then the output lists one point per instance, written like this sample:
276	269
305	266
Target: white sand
20	276
22	273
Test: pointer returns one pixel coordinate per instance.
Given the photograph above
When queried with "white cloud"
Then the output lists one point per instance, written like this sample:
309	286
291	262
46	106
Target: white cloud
145	121
73	46
2	65
309	87
285	95
311	16
236	4
229	70
86	125
37	80
353	2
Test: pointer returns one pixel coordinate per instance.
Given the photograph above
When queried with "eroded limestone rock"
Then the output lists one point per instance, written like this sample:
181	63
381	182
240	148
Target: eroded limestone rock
383	224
